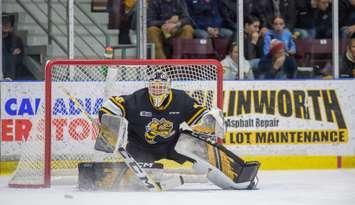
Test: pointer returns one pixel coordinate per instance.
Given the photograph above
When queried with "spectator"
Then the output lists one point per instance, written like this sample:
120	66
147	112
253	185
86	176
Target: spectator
12	49
266	10
128	21
207	19
281	33
347	18
253	42
348	61
230	65
122	15
248	7
167	19
323	19
277	64
305	27
229	14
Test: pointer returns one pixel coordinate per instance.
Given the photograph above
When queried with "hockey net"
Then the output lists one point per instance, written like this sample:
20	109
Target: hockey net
64	131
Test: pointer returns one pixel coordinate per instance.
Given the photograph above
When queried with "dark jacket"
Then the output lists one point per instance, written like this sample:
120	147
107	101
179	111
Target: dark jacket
159	11
323	23
304	14
287	71
264	10
346	13
249	7
228	10
252	51
204	13
12	64
347	68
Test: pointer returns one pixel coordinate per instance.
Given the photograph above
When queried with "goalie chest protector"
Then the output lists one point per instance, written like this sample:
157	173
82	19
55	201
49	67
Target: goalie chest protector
155	129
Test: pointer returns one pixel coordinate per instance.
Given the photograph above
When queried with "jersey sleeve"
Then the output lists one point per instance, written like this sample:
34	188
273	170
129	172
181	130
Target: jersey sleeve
194	111
115	105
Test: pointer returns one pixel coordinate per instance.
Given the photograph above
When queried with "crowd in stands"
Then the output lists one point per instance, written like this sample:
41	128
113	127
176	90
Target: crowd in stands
272	30
279	35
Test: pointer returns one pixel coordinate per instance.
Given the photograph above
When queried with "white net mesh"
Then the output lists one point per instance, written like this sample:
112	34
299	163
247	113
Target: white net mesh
78	89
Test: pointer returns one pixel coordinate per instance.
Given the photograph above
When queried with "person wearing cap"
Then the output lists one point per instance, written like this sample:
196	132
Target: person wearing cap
12	49
277	64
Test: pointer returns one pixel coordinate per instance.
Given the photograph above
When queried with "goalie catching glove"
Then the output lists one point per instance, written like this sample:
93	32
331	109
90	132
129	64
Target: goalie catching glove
211	125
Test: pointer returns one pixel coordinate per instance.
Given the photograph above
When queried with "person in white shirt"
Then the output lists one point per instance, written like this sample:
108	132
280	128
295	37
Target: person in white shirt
230	65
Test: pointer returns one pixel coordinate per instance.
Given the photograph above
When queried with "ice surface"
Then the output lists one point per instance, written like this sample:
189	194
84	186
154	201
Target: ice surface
313	187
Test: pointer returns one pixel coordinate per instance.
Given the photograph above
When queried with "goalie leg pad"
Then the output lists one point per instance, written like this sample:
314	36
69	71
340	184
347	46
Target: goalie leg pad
95	176
116	176
227	161
248	172
223	168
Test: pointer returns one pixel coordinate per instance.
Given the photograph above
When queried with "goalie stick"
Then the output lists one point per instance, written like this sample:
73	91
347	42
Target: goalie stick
132	164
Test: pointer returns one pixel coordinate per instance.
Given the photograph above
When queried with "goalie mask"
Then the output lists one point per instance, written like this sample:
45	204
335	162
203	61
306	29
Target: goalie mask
159	86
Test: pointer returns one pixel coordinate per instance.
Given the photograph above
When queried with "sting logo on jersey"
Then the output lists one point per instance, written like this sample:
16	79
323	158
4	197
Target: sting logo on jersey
162	128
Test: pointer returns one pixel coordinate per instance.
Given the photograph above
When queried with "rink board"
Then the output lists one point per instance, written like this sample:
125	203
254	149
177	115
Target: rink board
308	123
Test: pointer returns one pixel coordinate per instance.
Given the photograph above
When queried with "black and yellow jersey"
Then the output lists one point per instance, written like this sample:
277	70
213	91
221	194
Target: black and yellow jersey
150	128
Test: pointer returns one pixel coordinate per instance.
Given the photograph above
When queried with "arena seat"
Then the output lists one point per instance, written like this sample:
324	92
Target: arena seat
221	46
193	48
314	52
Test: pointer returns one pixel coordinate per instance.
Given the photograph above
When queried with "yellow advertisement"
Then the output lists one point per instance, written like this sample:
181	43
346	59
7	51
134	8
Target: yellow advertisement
283	117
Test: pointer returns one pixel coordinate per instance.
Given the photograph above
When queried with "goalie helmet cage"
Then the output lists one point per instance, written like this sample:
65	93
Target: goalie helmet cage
64	132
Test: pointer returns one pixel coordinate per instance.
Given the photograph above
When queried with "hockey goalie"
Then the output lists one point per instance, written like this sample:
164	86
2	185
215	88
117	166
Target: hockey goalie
158	122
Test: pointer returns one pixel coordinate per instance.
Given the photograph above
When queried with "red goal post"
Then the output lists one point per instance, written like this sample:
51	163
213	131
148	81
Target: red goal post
59	138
